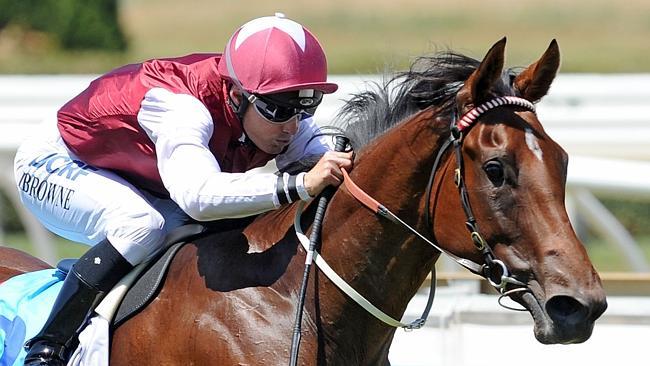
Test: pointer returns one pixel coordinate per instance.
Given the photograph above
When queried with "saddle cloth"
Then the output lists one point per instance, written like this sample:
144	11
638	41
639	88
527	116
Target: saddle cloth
26	300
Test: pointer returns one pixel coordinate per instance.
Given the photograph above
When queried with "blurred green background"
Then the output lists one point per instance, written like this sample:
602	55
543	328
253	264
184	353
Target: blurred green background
360	37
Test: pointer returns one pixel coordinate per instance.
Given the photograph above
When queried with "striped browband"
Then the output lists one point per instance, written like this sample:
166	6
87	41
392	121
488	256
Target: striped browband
470	117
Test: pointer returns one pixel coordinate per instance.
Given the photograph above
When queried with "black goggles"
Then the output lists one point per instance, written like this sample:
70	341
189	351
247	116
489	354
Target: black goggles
282	107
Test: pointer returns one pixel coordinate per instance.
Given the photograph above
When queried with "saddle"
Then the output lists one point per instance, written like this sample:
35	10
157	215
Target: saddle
148	282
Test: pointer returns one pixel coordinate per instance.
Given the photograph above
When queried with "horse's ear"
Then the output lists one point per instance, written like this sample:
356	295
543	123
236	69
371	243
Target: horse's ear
534	82
477	87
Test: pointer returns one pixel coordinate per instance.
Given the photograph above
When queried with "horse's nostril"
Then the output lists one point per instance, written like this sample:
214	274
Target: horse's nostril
566	309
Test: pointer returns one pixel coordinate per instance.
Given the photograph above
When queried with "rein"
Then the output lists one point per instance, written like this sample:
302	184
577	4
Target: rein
493	269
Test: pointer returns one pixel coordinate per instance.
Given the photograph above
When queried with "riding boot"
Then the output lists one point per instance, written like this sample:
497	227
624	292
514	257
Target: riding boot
90	278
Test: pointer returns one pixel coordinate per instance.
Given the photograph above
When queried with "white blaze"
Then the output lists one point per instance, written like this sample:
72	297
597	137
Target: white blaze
532	143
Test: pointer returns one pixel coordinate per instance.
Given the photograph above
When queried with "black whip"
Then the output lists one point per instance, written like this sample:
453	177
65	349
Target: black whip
341	143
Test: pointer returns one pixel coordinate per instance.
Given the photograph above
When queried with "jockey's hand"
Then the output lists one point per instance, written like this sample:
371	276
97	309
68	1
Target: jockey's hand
327	171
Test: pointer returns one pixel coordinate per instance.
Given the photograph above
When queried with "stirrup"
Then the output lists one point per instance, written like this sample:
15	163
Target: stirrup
44	353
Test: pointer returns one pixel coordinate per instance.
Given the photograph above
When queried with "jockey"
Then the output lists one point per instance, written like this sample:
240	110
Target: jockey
149	146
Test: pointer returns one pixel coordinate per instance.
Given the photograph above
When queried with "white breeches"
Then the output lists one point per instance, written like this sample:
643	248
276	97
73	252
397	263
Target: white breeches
87	204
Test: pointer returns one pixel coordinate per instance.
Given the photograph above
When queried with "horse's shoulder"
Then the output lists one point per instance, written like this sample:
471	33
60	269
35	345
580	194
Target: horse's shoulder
270	227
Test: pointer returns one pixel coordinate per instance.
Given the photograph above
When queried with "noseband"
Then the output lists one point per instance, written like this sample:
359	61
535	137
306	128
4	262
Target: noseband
492	269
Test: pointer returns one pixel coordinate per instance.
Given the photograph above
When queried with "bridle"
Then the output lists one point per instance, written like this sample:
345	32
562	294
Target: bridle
493	270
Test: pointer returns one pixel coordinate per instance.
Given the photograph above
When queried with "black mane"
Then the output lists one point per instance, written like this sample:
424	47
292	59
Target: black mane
431	81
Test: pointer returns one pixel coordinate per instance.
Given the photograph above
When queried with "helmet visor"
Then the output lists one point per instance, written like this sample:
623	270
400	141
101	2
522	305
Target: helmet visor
277	109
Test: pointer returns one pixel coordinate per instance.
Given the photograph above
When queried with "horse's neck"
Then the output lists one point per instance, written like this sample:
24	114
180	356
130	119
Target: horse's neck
380	259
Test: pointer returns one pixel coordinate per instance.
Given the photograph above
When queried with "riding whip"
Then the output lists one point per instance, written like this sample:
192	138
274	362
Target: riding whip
341	143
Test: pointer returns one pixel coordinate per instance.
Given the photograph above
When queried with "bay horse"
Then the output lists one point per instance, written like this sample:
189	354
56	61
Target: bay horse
230	298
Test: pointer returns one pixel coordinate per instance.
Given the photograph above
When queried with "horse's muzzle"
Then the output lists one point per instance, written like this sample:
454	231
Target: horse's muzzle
564	319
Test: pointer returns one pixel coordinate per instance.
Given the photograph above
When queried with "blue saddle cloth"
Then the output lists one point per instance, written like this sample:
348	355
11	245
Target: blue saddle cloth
25	304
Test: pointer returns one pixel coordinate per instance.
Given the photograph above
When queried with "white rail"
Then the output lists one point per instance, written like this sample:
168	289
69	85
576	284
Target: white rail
588	114
466	329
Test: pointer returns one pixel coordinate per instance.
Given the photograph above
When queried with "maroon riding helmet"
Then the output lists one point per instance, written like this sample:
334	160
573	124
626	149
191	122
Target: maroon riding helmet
278	62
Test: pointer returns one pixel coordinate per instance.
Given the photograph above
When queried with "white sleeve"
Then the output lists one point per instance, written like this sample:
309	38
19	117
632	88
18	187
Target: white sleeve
305	143
181	127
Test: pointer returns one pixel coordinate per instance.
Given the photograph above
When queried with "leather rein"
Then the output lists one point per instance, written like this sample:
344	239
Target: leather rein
493	270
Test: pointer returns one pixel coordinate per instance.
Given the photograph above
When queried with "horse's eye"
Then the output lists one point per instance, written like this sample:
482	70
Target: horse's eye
494	171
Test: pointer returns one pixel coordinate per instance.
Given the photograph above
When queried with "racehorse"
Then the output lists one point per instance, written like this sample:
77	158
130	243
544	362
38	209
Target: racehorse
230	297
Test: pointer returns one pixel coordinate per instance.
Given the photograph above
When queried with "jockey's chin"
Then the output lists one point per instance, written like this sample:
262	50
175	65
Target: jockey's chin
279	145
269	137
272	144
